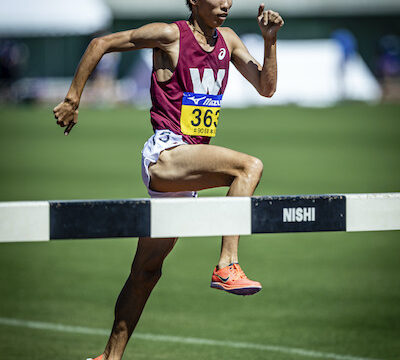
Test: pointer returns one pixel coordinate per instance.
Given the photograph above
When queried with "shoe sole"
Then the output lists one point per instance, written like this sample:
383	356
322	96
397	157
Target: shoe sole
244	291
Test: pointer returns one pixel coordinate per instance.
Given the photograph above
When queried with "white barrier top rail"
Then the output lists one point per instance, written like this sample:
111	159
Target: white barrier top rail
209	216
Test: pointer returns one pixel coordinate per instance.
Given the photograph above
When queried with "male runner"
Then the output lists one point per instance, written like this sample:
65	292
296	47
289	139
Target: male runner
190	73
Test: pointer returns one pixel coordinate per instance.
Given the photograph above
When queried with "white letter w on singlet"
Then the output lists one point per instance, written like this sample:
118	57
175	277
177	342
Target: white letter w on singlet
207	85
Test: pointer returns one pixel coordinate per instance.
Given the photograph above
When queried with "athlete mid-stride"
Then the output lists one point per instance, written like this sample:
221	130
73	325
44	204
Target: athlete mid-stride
190	72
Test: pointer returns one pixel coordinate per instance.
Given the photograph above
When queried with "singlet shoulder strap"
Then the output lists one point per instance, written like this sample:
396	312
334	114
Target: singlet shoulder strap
182	25
221	42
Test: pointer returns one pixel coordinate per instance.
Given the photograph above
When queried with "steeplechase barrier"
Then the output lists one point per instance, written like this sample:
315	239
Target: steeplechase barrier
208	216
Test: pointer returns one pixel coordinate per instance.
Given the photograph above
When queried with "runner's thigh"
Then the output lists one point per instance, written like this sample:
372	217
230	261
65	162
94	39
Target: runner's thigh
197	167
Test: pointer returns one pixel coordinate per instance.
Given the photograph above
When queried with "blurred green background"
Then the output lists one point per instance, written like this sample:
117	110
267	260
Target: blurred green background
335	293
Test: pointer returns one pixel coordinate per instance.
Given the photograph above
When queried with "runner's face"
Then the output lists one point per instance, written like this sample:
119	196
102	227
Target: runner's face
213	12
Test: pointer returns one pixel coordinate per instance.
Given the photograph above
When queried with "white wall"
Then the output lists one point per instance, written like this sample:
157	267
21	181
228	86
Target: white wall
310	73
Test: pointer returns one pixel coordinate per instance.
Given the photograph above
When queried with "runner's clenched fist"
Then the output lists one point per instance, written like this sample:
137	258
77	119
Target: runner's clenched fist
66	114
270	22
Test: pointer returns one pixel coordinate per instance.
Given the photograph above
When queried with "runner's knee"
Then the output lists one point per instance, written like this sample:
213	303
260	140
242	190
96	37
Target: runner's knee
253	169
147	269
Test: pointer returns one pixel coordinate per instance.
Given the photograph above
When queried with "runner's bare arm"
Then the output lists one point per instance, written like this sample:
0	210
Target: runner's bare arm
262	77
156	35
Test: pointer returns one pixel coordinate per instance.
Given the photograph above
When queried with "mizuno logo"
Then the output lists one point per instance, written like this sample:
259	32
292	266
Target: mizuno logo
299	214
195	100
212	102
223	279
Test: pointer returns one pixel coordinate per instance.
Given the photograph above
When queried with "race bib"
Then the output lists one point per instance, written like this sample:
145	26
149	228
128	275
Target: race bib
199	114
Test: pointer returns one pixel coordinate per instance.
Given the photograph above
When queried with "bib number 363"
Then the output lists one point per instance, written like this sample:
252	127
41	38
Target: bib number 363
200	114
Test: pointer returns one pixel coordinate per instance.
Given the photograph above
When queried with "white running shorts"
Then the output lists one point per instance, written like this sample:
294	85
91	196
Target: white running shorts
160	141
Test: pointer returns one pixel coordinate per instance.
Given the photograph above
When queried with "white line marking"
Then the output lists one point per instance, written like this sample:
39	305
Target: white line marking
178	339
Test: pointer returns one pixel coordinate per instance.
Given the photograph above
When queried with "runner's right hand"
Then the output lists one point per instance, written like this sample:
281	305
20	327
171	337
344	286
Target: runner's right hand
66	114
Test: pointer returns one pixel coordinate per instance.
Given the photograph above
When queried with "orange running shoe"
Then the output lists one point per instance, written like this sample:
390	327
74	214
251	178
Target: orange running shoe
232	279
98	358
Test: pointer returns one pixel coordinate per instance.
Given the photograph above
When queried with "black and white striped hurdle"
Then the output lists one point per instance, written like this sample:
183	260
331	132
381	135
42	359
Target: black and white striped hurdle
209	216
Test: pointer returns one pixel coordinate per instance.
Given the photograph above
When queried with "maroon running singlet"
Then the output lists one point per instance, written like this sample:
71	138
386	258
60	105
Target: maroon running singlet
188	104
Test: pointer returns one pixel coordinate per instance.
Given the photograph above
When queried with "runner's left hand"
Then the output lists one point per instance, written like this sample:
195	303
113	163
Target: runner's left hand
270	22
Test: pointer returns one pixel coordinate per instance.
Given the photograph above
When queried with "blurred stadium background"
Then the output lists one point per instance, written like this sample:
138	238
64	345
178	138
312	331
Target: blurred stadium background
333	128
343	50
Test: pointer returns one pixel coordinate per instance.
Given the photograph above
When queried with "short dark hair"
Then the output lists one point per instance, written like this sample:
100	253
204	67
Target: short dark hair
189	4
